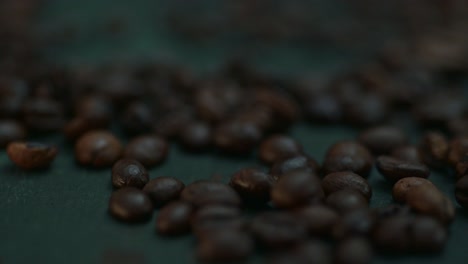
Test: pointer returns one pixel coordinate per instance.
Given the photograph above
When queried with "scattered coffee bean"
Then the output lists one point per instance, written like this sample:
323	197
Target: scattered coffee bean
383	139
427	235
461	191
217	218
128	172
323	108
31	155
225	246
252	185
296	163
277	148
318	219
408	153
346	180
297	188
434	147
137	119
391	234
43	114
236	137
346	200
98	149
277	229
130	204
431	201
174	219
11	131
458	147
150	150
355	223
201	193
163	190
195	136
393	169
78	126
94	109
402	187
354	250
348	156
461	168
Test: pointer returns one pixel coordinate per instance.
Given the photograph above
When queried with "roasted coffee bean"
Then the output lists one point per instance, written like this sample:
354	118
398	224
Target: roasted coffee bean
174	219
346	200
203	192
260	116
163	190
278	148
348	156
150	150
130	204
128	172
285	110
434	147
171	124
215	104
346	180
43	114
354	250
309	252
427	235
318	219
365	109
277	229
31	155
78	126
295	189
391	235
382	139
461	168
217	218
402	187
408	153
195	136
94	109
295	163
461	191
393	169
253	185
236	137
226	246
11	131
431	201
137	119
355	223
323	108
97	149
458	147
392	210
438	108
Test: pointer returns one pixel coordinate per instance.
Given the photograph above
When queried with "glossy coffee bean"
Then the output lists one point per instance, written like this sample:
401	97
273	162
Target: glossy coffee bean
11	131
137	119
97	149
393	169
128	172
217	218
277	229
31	155
195	136
252	185
174	219
277	148
236	137
295	189
434	147
391	234
354	250
382	139
318	219
203	192
427	235
163	190
402	187
408	153
295	163
432	202
461	191
346	180
130	204
226	246
150	150
348	156
346	200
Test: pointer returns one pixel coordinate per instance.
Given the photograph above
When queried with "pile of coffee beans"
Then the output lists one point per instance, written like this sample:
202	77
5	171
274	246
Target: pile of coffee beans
289	205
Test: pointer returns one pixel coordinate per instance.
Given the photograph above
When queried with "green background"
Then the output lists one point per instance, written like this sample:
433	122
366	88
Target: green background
60	215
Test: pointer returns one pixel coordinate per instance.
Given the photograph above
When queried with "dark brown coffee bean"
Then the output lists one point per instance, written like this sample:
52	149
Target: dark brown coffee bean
434	147
128	172
438	108
295	163
236	137
346	180
461	168
393	169
323	108
382	139
346	200
196	136
137	119
201	193
318	219
309	252
171	124
253	185
402	187
277	148
130	204
461	191
354	250
284	108
11	131
215	104
348	156
355	223
77	127
43	114
365	109
97	149
260	116
150	150
163	190
392	210
295	189
427	235
277	229
31	155
408	153
226	246
392	235
431	201
94	109
174	219
458	147
217	218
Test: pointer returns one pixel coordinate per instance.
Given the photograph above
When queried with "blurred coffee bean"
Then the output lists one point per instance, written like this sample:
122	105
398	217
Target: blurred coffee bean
98	149
130	204
163	190
127	172
43	114
383	139
252	185
215	104
301	162
174	219
438	108
285	110
11	131
427	235
236	138
137	118
346	180
203	192
318	219
277	148
150	150
217	218
461	191
347	200
408	153
226	246
170	125
323	108
405	185
348	156
94	109
277	229
434	147
78	126
354	250
391	235
31	155
354	223
365	109
195	136
458	147
394	169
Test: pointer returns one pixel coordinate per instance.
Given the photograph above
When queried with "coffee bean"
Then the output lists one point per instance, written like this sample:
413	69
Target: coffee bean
318	219
236	137
130	204
128	172
163	190
43	114
171	124
402	187
78	126
461	168
195	136
308	252
324	108
346	180
97	149
94	109
408	153
11	131
174	219
295	189
393	169
458	147
203	192
391	235
226	246
438	108
284	108
31	155
434	147
427	235
392	210
461	191
150	150
277	229
260	116
295	163
215	104
382	139
348	156
277	148
137	119
346	200
431	201
354	250
252	185
355	223
217	218
365	109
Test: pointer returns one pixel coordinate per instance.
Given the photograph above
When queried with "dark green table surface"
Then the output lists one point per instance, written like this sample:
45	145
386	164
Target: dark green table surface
60	216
